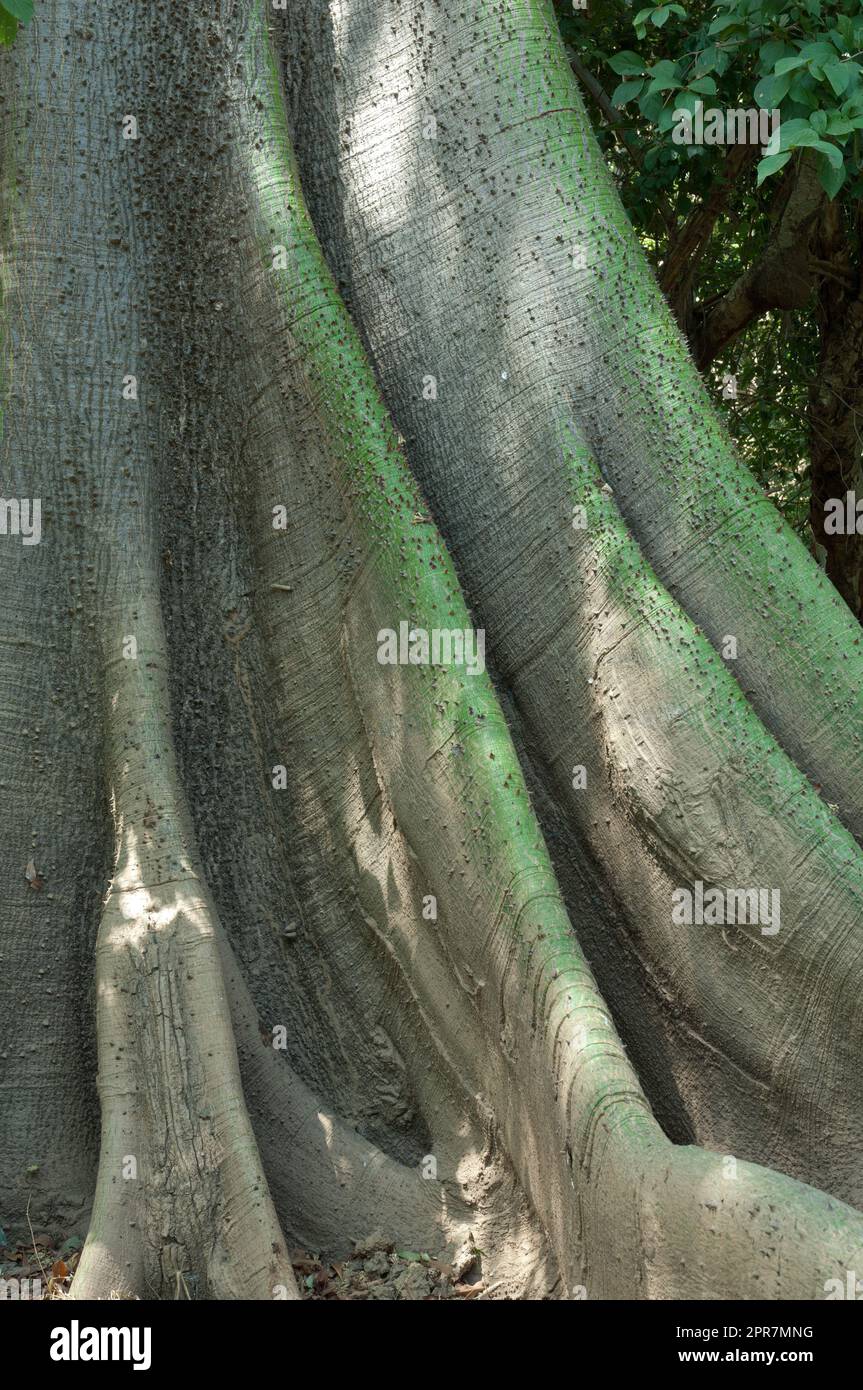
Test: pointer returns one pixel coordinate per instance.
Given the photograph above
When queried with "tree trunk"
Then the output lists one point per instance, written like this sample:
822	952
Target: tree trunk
836	404
494	256
284	914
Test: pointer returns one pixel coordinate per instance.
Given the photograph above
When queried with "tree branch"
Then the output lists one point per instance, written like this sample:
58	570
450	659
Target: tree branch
687	248
782	277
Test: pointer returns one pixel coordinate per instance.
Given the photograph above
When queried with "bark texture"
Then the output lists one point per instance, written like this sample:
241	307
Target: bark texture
481	243
239	816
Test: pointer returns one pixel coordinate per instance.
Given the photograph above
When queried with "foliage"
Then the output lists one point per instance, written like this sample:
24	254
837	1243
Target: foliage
801	59
13	13
805	60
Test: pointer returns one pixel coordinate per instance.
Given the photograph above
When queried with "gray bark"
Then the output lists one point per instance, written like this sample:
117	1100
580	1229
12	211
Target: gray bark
191	905
493	255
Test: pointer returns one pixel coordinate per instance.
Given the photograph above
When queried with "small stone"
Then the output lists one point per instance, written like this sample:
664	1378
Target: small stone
382	1291
413	1284
377	1266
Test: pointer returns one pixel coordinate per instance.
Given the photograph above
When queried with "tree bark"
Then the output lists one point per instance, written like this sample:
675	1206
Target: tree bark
562	383
241	817
836	403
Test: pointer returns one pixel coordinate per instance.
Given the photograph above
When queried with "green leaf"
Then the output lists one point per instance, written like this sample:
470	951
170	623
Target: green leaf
793	134
664	68
705	85
706	60
21	9
804	89
792	128
627	64
832	178
626	91
771	52
846	30
831	152
838	74
770	165
818	121
788	65
650	105
684	101
770	90
643	16
843	125
664	84
8	27
660	16
818	51
725	21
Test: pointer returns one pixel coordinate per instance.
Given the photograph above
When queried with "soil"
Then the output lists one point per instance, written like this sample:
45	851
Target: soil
375	1269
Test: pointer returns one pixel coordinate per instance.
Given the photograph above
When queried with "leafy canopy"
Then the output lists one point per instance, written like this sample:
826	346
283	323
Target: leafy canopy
801	58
